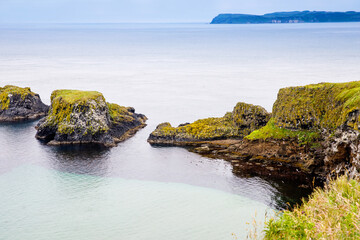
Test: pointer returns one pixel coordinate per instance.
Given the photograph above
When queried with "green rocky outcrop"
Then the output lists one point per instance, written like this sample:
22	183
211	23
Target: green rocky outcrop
306	112
313	132
85	117
244	119
324	118
18	104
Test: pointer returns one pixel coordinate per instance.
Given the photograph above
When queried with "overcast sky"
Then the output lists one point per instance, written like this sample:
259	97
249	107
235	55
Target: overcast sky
153	10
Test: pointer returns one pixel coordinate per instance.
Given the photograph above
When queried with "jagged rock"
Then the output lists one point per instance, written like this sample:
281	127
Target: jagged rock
78	117
244	119
18	104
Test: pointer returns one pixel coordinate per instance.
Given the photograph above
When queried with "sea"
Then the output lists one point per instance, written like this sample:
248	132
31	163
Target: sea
173	73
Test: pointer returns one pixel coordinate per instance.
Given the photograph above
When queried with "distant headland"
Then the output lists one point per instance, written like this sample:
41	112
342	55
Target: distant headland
288	17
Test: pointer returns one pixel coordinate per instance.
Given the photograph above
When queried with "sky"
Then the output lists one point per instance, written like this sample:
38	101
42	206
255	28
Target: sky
48	11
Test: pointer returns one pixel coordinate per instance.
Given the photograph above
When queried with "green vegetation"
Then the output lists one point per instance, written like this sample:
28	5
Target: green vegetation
75	96
249	116
236	124
65	103
209	128
271	131
332	213
75	110
317	106
119	114
14	90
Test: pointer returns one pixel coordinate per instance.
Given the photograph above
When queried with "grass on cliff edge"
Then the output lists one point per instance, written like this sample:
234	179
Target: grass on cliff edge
271	131
73	96
9	89
323	105
330	213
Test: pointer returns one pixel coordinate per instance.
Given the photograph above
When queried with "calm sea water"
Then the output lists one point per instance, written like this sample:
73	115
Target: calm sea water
169	72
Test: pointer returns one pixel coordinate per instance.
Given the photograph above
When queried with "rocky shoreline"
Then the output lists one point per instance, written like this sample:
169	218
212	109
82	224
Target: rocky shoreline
311	136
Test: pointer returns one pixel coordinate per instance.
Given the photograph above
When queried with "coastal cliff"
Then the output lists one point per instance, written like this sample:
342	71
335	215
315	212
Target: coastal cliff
288	17
18	104
313	133
79	117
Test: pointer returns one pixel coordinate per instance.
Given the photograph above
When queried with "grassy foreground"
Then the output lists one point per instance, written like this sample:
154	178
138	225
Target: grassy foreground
330	213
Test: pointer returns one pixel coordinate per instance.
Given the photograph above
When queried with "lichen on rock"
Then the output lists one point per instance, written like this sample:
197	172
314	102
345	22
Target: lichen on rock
85	117
244	119
17	104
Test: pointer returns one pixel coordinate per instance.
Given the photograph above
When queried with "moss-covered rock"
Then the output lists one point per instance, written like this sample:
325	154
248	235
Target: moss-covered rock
323	117
318	106
17	104
244	119
85	117
306	112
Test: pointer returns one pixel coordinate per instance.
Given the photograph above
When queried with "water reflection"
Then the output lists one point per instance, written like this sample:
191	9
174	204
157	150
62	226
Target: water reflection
80	159
136	159
279	194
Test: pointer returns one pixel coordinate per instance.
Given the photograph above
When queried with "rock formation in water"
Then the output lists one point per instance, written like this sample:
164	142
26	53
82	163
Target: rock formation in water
313	133
79	117
244	119
288	17
18	104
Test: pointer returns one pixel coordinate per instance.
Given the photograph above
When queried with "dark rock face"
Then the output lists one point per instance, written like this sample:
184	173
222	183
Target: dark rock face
244	119
273	160
19	104
285	159
79	117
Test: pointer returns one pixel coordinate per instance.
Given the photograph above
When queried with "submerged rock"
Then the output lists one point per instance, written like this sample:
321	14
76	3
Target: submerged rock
78	117
244	119
18	104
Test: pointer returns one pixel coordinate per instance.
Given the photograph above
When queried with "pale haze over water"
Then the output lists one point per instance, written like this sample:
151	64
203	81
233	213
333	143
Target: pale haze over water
171	73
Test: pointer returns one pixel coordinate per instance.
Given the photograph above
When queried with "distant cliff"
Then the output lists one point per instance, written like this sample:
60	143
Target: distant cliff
288	17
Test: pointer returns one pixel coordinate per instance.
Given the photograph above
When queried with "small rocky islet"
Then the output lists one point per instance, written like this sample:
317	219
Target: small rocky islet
81	117
74	117
312	133
20	104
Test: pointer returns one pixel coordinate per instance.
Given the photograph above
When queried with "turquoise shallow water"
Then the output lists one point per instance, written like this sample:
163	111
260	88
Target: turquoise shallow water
37	203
